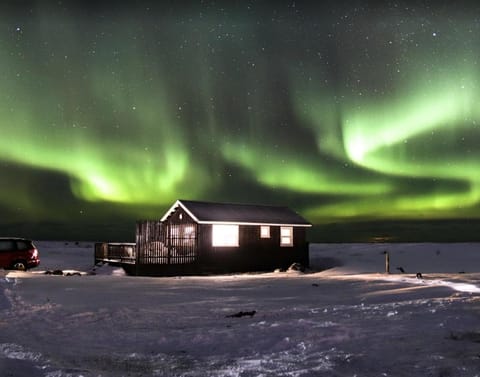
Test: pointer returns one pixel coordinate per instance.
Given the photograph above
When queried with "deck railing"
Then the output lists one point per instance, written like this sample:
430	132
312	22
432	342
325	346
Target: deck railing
166	244
114	252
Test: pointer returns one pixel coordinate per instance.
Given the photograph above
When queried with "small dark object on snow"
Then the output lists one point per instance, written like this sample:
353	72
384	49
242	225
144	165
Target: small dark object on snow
468	336
242	314
419	275
401	270
54	272
314	285
461	272
76	273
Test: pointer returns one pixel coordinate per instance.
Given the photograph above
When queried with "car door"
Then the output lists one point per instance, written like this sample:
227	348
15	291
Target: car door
7	249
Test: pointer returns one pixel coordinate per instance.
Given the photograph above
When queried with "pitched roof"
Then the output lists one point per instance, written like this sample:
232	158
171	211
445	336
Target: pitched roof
214	213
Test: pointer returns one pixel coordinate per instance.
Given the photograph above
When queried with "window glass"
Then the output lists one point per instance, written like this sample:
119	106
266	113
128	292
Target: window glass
264	231
225	235
22	245
286	236
7	245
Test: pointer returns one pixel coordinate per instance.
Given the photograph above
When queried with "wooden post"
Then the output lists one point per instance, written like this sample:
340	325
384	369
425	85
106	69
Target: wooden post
387	262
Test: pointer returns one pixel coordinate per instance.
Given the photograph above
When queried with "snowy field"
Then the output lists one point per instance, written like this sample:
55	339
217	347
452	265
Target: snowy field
350	319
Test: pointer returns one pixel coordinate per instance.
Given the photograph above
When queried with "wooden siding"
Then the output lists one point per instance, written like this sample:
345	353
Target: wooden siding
253	253
179	245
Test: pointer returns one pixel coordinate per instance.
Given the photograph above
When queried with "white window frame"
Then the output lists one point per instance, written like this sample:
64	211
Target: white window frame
225	235
286	236
264	231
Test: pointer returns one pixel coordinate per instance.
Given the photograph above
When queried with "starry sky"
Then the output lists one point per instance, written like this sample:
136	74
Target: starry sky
344	111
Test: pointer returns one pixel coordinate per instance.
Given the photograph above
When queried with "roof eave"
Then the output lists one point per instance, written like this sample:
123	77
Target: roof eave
251	223
172	209
178	203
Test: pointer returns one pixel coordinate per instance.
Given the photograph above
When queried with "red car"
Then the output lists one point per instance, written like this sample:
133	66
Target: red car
18	254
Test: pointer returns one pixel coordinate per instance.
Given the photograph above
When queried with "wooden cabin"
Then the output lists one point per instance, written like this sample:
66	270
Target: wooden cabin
199	238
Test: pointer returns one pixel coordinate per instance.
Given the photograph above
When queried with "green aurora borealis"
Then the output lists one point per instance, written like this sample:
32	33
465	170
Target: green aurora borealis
343	112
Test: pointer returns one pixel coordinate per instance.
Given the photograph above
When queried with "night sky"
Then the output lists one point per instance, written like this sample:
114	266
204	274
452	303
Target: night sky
110	111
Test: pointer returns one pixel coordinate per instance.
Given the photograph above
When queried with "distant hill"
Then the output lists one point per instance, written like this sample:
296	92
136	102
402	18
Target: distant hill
115	232
464	230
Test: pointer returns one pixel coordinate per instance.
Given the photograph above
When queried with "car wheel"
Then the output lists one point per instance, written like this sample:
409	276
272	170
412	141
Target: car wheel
20	266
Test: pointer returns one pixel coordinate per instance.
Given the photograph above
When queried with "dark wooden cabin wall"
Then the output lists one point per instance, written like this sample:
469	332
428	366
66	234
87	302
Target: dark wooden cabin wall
253	253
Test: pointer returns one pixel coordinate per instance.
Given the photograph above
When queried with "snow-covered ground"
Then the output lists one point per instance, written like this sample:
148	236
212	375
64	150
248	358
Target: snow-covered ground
350	319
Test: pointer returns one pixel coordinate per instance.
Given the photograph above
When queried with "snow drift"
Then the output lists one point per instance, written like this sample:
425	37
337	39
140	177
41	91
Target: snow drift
344	318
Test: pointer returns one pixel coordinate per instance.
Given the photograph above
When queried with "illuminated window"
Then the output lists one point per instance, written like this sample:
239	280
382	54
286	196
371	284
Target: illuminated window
286	236
225	235
264	231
